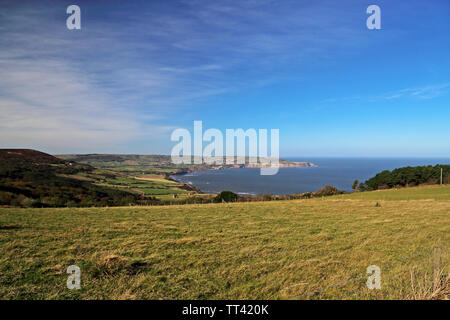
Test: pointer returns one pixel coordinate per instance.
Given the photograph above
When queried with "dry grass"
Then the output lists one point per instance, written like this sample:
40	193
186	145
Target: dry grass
433	192
423	288
271	250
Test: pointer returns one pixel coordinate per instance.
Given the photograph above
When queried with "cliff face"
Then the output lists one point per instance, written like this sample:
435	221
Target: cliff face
263	164
282	164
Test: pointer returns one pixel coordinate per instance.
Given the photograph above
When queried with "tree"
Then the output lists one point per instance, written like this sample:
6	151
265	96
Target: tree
407	176
226	196
355	185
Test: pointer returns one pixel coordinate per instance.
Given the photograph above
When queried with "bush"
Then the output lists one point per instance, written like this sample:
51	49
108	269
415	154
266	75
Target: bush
226	196
327	191
355	185
307	195
6	198
26	202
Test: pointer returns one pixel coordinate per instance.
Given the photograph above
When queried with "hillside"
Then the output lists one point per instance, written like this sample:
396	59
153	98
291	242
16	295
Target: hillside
32	160
435	192
161	164
36	179
132	164
305	249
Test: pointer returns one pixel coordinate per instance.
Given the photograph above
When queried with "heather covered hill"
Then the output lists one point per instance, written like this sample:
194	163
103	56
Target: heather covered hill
16	162
27	156
31	178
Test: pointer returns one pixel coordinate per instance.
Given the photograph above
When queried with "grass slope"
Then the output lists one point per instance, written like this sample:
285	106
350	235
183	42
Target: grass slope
435	192
29	178
265	250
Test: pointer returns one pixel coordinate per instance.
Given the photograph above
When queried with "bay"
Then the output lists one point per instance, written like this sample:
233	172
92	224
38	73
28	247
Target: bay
337	172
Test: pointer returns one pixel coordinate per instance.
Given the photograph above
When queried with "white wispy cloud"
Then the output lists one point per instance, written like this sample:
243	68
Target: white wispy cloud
128	76
424	92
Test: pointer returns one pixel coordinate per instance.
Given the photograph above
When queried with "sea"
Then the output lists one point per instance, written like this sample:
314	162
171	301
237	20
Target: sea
337	172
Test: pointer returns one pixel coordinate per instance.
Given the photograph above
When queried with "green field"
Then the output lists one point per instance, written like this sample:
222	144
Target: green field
140	174
151	187
440	193
262	250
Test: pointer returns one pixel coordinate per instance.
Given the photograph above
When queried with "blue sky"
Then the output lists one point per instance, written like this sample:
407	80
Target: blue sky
139	69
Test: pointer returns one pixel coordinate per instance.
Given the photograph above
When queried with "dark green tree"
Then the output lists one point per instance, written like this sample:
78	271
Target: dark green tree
355	185
226	196
362	187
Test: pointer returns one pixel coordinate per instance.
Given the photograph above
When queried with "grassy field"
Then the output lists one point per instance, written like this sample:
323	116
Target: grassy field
263	250
151	185
140	174
440	193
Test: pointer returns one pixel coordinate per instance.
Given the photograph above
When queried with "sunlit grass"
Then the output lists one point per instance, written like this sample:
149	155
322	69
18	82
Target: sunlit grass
263	250
417	193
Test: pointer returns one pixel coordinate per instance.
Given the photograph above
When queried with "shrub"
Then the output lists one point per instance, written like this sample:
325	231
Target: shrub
227	196
327	191
307	195
355	185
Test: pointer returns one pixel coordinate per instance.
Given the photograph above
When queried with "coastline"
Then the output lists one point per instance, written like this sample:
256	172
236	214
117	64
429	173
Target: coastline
209	167
282	164
338	172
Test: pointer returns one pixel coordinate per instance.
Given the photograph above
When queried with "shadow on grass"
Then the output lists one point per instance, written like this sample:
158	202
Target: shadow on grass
10	227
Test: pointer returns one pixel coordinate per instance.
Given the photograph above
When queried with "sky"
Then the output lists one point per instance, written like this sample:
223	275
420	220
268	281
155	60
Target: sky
137	70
